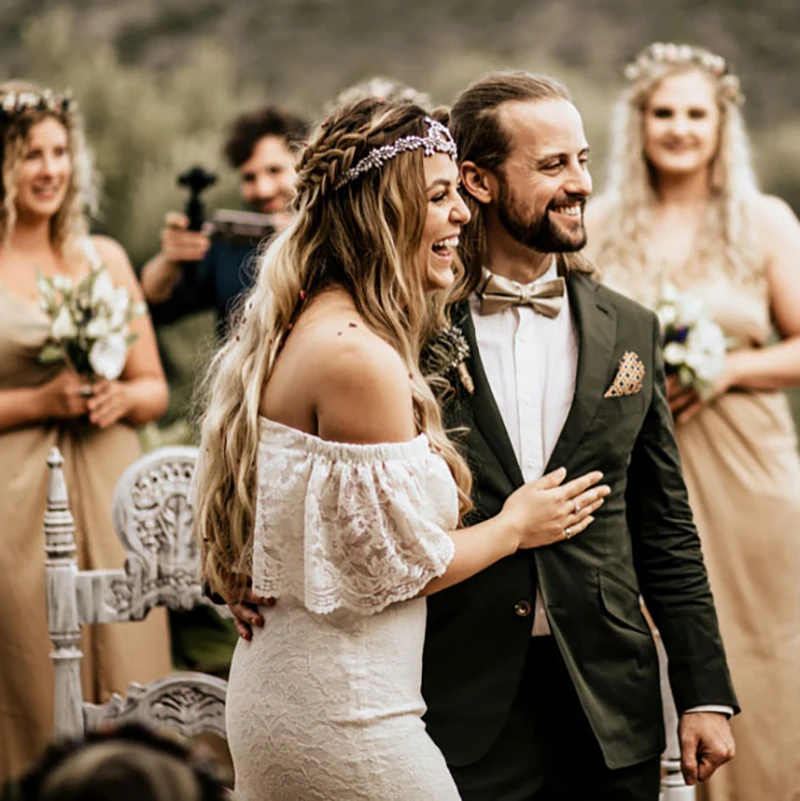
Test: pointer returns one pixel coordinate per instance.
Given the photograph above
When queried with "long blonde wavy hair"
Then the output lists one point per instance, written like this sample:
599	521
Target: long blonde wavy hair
726	241
70	225
364	237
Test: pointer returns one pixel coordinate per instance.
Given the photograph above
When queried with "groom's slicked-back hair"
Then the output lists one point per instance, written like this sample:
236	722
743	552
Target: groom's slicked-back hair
474	118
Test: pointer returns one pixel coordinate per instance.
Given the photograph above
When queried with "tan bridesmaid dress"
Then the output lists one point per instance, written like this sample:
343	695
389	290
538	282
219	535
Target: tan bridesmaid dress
742	468
114	655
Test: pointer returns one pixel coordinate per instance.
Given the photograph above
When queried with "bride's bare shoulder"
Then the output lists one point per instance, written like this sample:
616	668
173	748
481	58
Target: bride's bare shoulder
356	383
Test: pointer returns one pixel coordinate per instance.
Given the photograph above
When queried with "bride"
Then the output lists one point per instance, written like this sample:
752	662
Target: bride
326	477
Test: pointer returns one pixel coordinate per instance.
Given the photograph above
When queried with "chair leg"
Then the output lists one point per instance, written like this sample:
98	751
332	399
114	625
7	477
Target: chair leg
61	571
673	787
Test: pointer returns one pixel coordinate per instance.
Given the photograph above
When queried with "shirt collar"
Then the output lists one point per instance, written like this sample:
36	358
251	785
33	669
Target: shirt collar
549	274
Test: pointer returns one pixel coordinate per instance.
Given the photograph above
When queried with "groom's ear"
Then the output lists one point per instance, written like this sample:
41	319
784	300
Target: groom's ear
479	182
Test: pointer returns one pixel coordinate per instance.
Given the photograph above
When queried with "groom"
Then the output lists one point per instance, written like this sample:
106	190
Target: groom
540	673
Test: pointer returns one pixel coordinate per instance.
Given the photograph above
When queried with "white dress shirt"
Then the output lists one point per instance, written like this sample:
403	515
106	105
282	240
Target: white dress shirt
533	383
531	363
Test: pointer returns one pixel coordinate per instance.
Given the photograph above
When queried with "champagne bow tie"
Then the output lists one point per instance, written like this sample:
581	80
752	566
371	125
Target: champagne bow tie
545	297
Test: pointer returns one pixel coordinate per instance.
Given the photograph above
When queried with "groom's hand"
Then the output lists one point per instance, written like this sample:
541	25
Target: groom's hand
246	615
706	744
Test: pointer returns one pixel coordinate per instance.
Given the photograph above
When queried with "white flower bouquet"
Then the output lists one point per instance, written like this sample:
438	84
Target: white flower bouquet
694	345
90	328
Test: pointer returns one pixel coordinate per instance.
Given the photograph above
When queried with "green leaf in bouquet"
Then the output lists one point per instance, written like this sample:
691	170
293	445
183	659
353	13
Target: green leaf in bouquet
686	376
52	352
703	389
48	307
86	283
46	289
78	357
83	296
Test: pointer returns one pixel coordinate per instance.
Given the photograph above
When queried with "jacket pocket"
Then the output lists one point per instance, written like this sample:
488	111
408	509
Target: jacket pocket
621	603
627	404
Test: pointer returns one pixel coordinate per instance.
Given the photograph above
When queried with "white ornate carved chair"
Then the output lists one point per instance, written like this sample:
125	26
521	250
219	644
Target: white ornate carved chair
153	520
673	787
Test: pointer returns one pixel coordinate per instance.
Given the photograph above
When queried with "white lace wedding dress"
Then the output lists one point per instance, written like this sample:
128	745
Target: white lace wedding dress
324	703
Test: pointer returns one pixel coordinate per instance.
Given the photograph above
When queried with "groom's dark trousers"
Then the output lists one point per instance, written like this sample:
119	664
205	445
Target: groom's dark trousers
576	716
547	751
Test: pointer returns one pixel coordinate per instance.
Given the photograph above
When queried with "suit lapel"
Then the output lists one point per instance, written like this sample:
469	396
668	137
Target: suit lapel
596	323
484	407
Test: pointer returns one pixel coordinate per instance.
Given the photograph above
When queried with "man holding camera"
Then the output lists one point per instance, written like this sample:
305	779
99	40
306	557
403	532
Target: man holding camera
191	273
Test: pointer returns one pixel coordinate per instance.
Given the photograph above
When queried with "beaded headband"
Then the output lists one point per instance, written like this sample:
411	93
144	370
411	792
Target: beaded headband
13	104
437	140
686	55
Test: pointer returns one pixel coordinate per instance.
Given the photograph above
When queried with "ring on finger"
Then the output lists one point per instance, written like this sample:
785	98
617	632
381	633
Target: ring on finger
568	532
577	508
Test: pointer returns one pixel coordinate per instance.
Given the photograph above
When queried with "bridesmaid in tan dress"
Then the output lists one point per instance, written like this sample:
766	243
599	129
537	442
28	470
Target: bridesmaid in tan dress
682	206
42	227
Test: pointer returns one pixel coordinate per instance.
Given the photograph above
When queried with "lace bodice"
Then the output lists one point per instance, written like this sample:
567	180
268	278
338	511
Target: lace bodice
354	527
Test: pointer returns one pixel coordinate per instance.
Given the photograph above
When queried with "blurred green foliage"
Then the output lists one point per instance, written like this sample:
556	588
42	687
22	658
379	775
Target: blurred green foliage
158	92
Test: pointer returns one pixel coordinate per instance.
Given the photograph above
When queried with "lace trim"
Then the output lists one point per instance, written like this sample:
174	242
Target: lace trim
356	527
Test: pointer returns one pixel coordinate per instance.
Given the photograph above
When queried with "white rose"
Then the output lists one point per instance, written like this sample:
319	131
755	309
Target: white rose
675	353
120	306
62	283
102	289
63	326
707	335
670	294
667	315
99	327
108	356
690	309
45	290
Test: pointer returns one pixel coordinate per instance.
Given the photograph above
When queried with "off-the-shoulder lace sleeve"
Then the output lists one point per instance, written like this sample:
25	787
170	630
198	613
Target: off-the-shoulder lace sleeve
350	526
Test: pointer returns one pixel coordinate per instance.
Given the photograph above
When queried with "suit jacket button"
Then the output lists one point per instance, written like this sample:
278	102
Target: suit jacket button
522	608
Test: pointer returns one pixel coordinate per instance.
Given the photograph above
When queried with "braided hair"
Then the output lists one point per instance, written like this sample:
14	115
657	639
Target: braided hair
363	236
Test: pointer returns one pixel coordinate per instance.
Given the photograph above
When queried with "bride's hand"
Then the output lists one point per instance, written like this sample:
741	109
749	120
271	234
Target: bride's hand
544	511
245	612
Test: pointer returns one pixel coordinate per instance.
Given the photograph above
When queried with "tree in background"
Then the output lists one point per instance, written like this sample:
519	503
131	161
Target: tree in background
149	119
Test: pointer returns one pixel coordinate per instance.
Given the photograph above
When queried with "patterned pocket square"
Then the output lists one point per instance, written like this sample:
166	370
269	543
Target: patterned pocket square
628	380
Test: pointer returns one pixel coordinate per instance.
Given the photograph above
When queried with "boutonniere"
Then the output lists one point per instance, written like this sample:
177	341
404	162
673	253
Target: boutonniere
444	357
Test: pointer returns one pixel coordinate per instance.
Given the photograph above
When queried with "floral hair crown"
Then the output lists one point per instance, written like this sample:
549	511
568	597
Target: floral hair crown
685	55
14	104
437	140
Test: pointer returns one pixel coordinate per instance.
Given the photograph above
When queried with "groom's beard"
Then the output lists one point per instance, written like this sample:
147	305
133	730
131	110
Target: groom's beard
540	233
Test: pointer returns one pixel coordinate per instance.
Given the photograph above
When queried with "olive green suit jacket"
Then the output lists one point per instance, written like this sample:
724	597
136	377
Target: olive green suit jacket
643	541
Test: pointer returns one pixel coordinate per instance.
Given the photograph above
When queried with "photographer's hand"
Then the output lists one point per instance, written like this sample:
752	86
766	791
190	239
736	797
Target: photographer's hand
178	246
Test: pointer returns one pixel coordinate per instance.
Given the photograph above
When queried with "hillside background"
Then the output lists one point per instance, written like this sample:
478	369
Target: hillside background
159	81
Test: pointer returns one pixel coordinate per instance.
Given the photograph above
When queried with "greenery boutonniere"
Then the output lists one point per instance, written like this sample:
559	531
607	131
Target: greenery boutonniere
444	357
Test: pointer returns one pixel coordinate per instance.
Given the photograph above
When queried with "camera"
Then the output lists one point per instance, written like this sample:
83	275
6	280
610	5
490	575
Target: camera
225	225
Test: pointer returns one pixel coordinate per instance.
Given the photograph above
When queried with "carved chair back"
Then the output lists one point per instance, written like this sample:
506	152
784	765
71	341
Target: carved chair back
153	520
